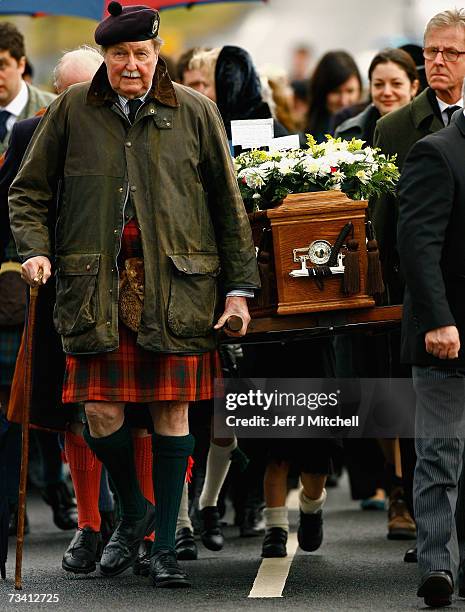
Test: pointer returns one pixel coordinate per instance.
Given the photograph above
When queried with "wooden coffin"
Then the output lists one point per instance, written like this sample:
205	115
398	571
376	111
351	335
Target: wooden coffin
297	235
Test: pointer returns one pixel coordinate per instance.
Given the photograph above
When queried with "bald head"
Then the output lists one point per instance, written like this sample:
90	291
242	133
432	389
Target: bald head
76	66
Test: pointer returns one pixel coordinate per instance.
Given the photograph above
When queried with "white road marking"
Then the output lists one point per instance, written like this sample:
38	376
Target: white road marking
272	573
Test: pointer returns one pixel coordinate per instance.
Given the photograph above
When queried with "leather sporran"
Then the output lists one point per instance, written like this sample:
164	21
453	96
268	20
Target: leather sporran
131	293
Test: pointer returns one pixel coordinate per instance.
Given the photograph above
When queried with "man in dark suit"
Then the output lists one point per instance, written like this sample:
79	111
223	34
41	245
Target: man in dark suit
444	43
432	255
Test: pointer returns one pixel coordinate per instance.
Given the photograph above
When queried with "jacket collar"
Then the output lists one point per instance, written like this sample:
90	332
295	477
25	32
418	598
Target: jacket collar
423	113
162	91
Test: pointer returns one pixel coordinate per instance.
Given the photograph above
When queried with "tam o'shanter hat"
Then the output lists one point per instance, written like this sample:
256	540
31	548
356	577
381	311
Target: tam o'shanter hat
127	24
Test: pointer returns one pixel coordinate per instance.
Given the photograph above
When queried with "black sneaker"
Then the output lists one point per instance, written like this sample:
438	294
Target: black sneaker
274	544
186	548
310	533
211	533
81	555
165	570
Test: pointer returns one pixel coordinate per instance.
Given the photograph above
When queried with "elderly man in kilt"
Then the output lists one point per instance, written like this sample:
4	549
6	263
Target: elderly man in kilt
150	221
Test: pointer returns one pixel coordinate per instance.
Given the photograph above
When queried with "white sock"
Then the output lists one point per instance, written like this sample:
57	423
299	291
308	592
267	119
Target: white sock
183	515
218	462
276	517
308	506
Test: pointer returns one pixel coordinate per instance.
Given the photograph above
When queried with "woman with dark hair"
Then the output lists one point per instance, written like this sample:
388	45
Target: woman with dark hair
335	84
394	82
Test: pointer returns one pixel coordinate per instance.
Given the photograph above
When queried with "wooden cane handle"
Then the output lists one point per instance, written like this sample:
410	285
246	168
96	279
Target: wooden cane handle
234	323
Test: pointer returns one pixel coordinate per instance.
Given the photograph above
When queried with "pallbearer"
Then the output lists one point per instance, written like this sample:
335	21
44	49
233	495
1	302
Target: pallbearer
150	222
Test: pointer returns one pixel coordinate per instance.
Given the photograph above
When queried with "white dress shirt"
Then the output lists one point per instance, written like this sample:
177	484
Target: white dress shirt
444	105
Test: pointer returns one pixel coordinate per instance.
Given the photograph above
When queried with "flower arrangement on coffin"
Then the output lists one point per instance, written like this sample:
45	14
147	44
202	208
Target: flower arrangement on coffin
265	179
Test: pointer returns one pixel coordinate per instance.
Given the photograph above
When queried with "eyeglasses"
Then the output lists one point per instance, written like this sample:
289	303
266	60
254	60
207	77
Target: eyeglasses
448	55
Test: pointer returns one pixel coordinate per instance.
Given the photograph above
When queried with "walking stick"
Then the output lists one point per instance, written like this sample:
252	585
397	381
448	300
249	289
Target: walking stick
31	320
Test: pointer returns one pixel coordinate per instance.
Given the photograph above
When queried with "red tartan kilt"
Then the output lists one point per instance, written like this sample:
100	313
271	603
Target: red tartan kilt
133	374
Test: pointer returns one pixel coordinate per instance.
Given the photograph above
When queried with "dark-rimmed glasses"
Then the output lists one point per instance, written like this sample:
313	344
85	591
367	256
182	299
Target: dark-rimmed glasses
448	55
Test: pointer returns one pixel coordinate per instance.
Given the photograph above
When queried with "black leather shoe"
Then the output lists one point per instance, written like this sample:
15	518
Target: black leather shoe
186	548
411	555
211	534
81	555
63	505
310	533
141	565
121	551
252	524
274	544
437	588
165	570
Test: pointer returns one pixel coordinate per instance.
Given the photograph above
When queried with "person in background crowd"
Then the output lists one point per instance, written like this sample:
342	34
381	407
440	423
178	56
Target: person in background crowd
301	63
18	100
393	83
430	111
335	84
167	358
28	74
231	80
193	78
416	53
300	103
282	97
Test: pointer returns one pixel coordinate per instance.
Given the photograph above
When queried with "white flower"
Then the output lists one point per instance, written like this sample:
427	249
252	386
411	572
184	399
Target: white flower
285	166
362	176
253	177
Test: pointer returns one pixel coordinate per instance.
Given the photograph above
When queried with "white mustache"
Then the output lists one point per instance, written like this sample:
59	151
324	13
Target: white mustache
132	75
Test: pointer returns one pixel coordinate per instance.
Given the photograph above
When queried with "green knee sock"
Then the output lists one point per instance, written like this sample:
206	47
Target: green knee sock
170	457
117	454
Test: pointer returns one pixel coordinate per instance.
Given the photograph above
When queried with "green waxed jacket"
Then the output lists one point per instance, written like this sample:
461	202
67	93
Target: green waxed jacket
174	162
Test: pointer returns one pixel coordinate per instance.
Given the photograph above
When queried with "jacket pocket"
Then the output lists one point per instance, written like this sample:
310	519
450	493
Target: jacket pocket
193	293
76	303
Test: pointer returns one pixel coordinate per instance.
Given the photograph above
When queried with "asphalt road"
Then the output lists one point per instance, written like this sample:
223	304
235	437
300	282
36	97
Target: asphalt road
357	568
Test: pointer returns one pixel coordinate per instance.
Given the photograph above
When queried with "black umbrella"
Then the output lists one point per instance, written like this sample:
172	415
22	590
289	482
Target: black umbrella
4	510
